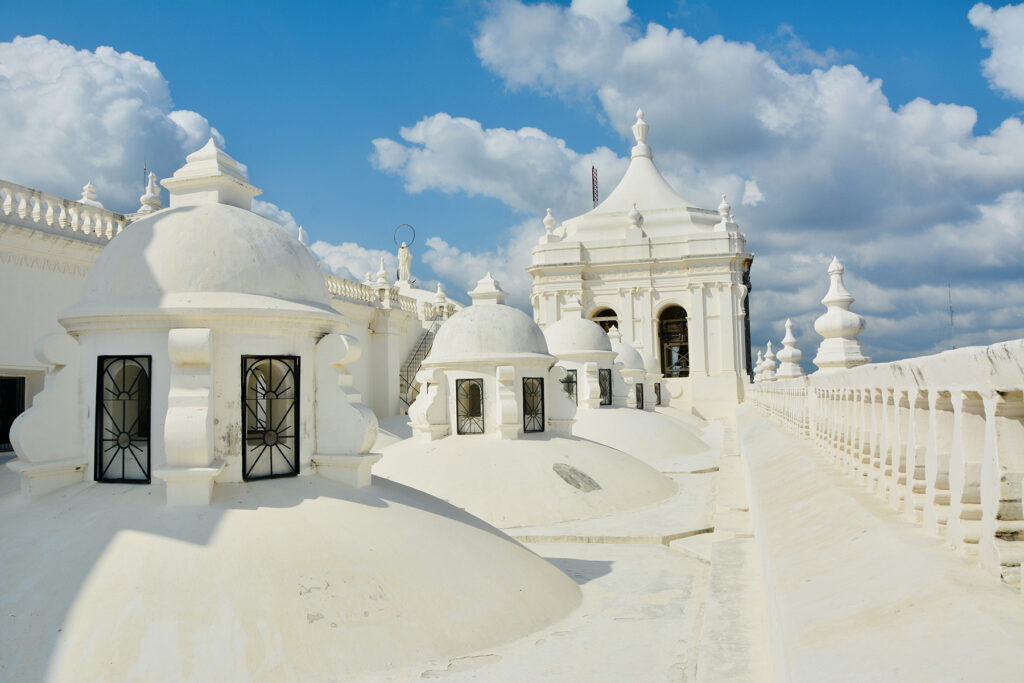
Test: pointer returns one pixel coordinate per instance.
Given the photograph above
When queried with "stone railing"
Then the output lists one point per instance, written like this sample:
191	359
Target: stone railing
940	438
385	295
349	289
76	220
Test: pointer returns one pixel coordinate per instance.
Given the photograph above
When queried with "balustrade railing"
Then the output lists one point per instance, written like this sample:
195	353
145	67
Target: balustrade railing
940	438
76	220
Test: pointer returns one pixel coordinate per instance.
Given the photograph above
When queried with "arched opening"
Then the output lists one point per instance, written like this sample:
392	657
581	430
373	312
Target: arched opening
674	342
606	318
122	419
270	417
469	406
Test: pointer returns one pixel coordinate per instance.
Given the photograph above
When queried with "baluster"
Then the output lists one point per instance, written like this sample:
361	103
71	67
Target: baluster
22	205
8	198
63	220
49	212
75	219
87	222
37	209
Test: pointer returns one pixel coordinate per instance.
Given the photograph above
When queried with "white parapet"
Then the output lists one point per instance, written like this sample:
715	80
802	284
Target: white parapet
940	438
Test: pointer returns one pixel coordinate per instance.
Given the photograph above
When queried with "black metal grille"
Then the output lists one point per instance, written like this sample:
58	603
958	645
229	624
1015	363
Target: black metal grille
604	381
270	416
675	343
469	406
122	419
569	384
657	393
640	396
533	404
12	403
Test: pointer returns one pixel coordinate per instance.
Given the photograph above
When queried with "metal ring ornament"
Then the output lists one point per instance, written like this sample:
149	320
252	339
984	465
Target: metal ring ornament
395	235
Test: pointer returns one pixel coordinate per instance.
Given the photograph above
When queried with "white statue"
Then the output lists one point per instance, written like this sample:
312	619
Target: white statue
404	261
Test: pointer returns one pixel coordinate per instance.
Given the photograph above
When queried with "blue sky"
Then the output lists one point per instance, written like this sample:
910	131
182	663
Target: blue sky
300	92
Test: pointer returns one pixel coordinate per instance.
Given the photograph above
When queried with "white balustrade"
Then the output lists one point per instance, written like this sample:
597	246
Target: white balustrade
939	438
25	206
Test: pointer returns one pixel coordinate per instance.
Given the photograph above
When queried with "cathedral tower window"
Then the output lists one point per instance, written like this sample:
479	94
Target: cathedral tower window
675	343
270	416
606	318
122	419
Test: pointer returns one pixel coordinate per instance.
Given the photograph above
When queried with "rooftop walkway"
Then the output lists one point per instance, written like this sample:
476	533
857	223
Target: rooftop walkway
854	593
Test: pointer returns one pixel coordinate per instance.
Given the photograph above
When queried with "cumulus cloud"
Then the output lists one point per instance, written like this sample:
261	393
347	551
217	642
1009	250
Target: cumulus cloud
68	116
911	197
1004	29
349	260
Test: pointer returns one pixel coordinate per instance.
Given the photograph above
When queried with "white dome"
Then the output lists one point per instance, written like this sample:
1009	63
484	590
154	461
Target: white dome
575	336
205	256
651	363
487	332
291	579
628	356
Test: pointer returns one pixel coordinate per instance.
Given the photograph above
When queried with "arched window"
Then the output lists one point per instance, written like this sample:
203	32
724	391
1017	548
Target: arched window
270	416
469	406
674	342
122	419
606	318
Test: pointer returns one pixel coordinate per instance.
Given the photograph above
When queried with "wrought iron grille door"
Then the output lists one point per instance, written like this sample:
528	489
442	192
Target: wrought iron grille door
640	396
675	343
122	419
604	381
569	384
270	416
657	393
469	406
533	404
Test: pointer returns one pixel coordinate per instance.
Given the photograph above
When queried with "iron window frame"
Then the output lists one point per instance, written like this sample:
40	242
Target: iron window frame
296	372
566	383
543	418
657	393
639	396
604	379
478	381
97	467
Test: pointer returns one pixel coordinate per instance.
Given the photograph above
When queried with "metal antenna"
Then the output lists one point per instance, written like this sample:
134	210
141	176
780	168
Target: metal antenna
949	288
593	182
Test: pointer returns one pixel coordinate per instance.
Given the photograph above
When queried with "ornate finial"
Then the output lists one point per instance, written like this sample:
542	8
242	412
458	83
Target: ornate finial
635	217
150	200
732	218
89	196
640	129
614	334
367	278
789	357
549	222
759	368
382	273
303	236
839	326
488	291
768	369
724	209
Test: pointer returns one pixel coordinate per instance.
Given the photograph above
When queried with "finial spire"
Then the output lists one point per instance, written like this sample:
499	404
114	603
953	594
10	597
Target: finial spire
839	326
768	369
790	356
488	292
303	236
640	130
382	274
150	200
89	196
549	222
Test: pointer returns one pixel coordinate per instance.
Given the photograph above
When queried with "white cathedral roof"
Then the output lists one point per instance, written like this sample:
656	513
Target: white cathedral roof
569	336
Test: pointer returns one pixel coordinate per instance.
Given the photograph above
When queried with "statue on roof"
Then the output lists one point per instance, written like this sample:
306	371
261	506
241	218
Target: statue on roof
404	262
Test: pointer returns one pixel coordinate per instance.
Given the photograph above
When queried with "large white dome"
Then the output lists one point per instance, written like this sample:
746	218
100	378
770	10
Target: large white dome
204	256
628	356
487	332
567	337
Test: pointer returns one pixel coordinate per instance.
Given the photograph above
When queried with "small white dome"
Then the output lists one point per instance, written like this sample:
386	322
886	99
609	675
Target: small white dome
651	363
628	356
574	336
205	256
487	332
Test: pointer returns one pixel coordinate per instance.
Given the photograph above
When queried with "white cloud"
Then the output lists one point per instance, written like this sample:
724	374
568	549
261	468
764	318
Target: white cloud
910	197
1004	28
68	116
349	260
275	213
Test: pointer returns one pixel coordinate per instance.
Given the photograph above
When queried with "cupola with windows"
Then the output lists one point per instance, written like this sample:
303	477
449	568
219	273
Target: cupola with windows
492	421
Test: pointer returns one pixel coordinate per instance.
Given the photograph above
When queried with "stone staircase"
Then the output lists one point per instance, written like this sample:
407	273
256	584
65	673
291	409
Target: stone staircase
407	389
